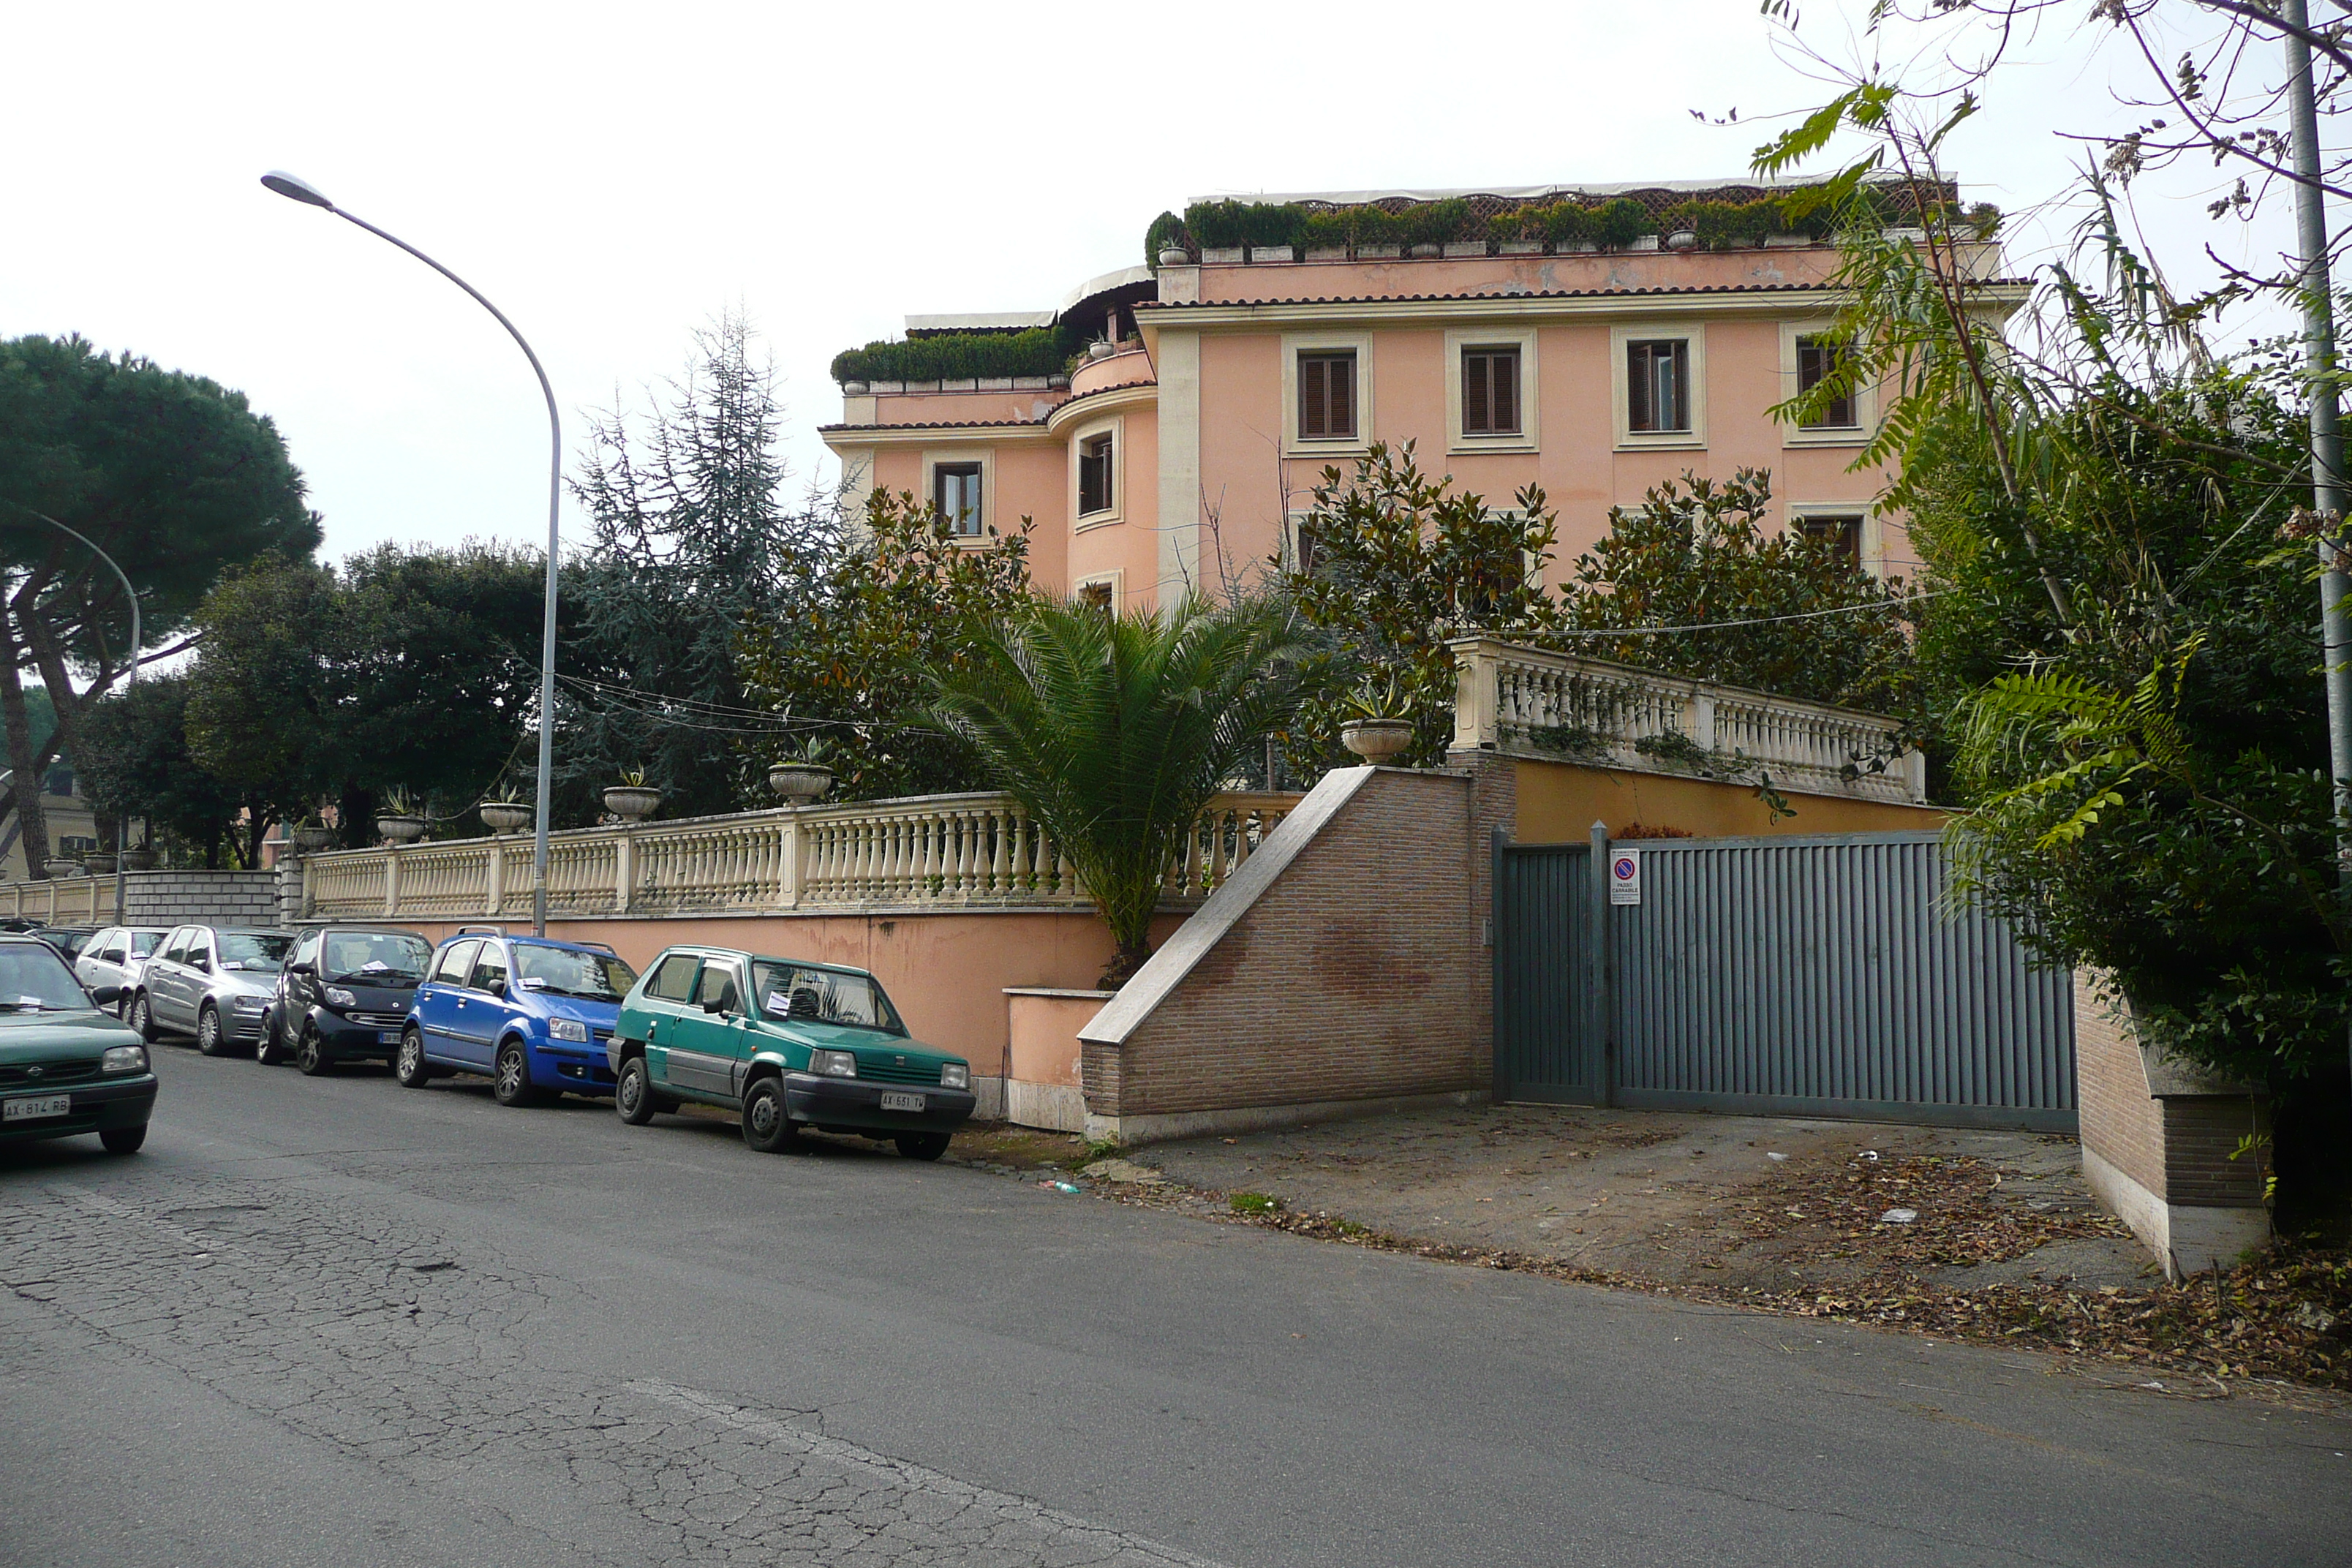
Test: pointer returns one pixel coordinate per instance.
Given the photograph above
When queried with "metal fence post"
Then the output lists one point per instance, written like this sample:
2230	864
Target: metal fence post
1597	961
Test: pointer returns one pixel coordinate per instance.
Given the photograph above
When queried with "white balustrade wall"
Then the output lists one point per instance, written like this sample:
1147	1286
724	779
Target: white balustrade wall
930	851
1531	702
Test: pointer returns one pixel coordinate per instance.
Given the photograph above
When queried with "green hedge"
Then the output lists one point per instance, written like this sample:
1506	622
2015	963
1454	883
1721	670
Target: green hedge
956	356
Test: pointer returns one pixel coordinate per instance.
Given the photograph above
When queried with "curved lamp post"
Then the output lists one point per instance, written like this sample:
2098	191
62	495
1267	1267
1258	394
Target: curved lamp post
293	189
130	682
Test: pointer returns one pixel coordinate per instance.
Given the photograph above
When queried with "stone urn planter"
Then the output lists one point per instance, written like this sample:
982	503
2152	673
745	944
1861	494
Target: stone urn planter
56	869
1175	256
1058	382
310	839
1682	239
505	815
98	865
1376	740
799	783
400	829
1426	251
632	803
1100	350
853	389
139	859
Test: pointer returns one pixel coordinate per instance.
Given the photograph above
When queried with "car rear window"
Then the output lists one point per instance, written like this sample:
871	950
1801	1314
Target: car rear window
673	978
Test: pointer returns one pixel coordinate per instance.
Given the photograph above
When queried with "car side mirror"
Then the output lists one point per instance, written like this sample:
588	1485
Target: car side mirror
302	969
714	1004
496	988
105	996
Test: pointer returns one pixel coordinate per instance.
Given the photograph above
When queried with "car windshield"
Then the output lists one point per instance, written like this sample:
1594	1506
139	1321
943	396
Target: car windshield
252	949
567	971
142	942
374	957
34	979
822	997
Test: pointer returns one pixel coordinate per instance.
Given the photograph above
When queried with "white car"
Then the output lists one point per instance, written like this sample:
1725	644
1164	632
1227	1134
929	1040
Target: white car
117	956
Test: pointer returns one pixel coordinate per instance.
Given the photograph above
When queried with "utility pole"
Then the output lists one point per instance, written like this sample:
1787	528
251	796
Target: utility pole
2327	423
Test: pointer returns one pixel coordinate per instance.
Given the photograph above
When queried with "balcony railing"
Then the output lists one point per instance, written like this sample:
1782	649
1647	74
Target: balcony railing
1532	703
930	851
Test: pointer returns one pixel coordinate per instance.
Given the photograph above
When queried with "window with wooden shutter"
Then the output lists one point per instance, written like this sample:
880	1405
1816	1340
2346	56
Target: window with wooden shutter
1490	392
1094	475
1657	385
1842	533
1817	362
1327	397
955	490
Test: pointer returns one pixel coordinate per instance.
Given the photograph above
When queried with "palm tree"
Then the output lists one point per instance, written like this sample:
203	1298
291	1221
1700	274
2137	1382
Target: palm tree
1115	728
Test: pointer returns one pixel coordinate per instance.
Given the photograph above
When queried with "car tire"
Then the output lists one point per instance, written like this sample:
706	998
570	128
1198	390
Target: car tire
921	1145
142	1018
408	1064
633	1093
310	1055
271	1049
768	1127
212	1039
123	1139
510	1082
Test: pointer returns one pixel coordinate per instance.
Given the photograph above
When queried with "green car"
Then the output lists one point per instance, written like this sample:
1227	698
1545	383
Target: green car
788	1044
65	1067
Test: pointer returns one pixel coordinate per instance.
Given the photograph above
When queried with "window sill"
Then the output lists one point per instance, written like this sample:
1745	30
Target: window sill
1350	447
1093	519
1662	441
1459	444
1839	436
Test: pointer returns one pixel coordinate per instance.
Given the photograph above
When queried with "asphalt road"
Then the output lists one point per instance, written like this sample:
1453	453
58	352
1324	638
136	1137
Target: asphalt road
335	1321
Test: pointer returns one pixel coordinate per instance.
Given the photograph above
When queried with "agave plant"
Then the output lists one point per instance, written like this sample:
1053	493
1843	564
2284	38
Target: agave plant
1115	730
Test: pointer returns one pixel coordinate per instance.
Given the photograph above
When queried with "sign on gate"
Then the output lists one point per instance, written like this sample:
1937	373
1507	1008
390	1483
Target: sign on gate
1624	876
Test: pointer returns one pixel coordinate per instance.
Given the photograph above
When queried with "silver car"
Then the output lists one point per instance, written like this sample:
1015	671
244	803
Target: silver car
212	981
116	956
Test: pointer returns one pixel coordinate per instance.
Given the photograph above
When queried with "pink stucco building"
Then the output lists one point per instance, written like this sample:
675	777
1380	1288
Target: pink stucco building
1226	379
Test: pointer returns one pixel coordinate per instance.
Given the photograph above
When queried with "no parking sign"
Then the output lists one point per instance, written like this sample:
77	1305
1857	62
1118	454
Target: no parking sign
1624	876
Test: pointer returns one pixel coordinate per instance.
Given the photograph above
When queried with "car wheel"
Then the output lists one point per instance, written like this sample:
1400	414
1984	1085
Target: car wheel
766	1125
142	1018
271	1050
921	1145
311	1056
123	1139
633	1093
212	1040
510	1084
409	1064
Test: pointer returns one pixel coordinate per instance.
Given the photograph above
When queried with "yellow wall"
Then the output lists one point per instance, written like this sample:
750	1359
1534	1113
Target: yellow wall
1559	802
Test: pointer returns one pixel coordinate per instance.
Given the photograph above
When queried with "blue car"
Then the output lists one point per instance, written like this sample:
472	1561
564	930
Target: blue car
530	1013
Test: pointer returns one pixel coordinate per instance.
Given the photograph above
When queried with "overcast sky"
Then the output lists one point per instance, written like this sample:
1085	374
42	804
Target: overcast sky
614	176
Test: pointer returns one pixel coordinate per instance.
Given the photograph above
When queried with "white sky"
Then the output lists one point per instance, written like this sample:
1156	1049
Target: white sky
614	176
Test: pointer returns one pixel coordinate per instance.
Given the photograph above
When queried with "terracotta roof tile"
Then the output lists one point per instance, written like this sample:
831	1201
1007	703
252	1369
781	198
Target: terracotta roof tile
1526	294
946	424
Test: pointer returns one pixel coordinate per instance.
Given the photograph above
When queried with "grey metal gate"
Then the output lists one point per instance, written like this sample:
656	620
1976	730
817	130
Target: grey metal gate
1820	976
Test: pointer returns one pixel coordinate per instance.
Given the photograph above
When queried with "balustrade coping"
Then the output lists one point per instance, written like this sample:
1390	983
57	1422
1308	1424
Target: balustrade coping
1498	650
849	811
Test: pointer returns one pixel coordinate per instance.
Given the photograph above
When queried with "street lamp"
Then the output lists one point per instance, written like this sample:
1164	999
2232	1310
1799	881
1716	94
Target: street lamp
129	681
297	190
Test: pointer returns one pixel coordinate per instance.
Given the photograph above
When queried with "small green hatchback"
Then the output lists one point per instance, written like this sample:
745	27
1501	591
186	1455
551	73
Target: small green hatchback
65	1067
786	1043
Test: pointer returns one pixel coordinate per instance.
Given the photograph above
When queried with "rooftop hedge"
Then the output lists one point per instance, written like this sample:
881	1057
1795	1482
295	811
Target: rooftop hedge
958	357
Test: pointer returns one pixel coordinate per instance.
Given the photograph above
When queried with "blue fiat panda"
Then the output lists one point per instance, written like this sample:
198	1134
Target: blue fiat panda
530	1014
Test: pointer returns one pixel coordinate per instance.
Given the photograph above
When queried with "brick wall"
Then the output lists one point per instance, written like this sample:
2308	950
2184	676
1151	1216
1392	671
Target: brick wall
2200	1136
2120	1122
1359	972
214	898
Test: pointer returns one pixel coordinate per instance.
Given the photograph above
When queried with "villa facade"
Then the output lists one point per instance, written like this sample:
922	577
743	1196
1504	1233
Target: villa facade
1223	381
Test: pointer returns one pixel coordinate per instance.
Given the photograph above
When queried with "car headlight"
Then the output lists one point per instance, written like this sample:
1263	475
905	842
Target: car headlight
956	1074
567	1029
253	1004
833	1064
339	997
123	1058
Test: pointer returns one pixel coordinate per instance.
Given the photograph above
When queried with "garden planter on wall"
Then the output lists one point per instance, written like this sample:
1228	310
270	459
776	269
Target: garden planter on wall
98	865
139	859
1175	256
56	869
1424	252
799	783
632	803
400	829
1377	739
505	815
310	840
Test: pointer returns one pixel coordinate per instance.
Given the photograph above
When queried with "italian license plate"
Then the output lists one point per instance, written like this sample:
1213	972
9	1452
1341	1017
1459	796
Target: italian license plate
28	1110
901	1101
387	1038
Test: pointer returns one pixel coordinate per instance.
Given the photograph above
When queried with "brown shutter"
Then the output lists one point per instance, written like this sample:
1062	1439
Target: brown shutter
1314	422
1474	408
1503	366
1637	387
1342	422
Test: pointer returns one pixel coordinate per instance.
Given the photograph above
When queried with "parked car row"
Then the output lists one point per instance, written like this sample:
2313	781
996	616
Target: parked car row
787	1044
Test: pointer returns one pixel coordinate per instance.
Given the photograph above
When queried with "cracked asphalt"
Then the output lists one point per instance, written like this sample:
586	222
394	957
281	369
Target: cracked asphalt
333	1321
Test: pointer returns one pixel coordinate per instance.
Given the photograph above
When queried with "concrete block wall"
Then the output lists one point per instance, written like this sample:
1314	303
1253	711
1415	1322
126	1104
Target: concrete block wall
217	898
1345	969
2158	1139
